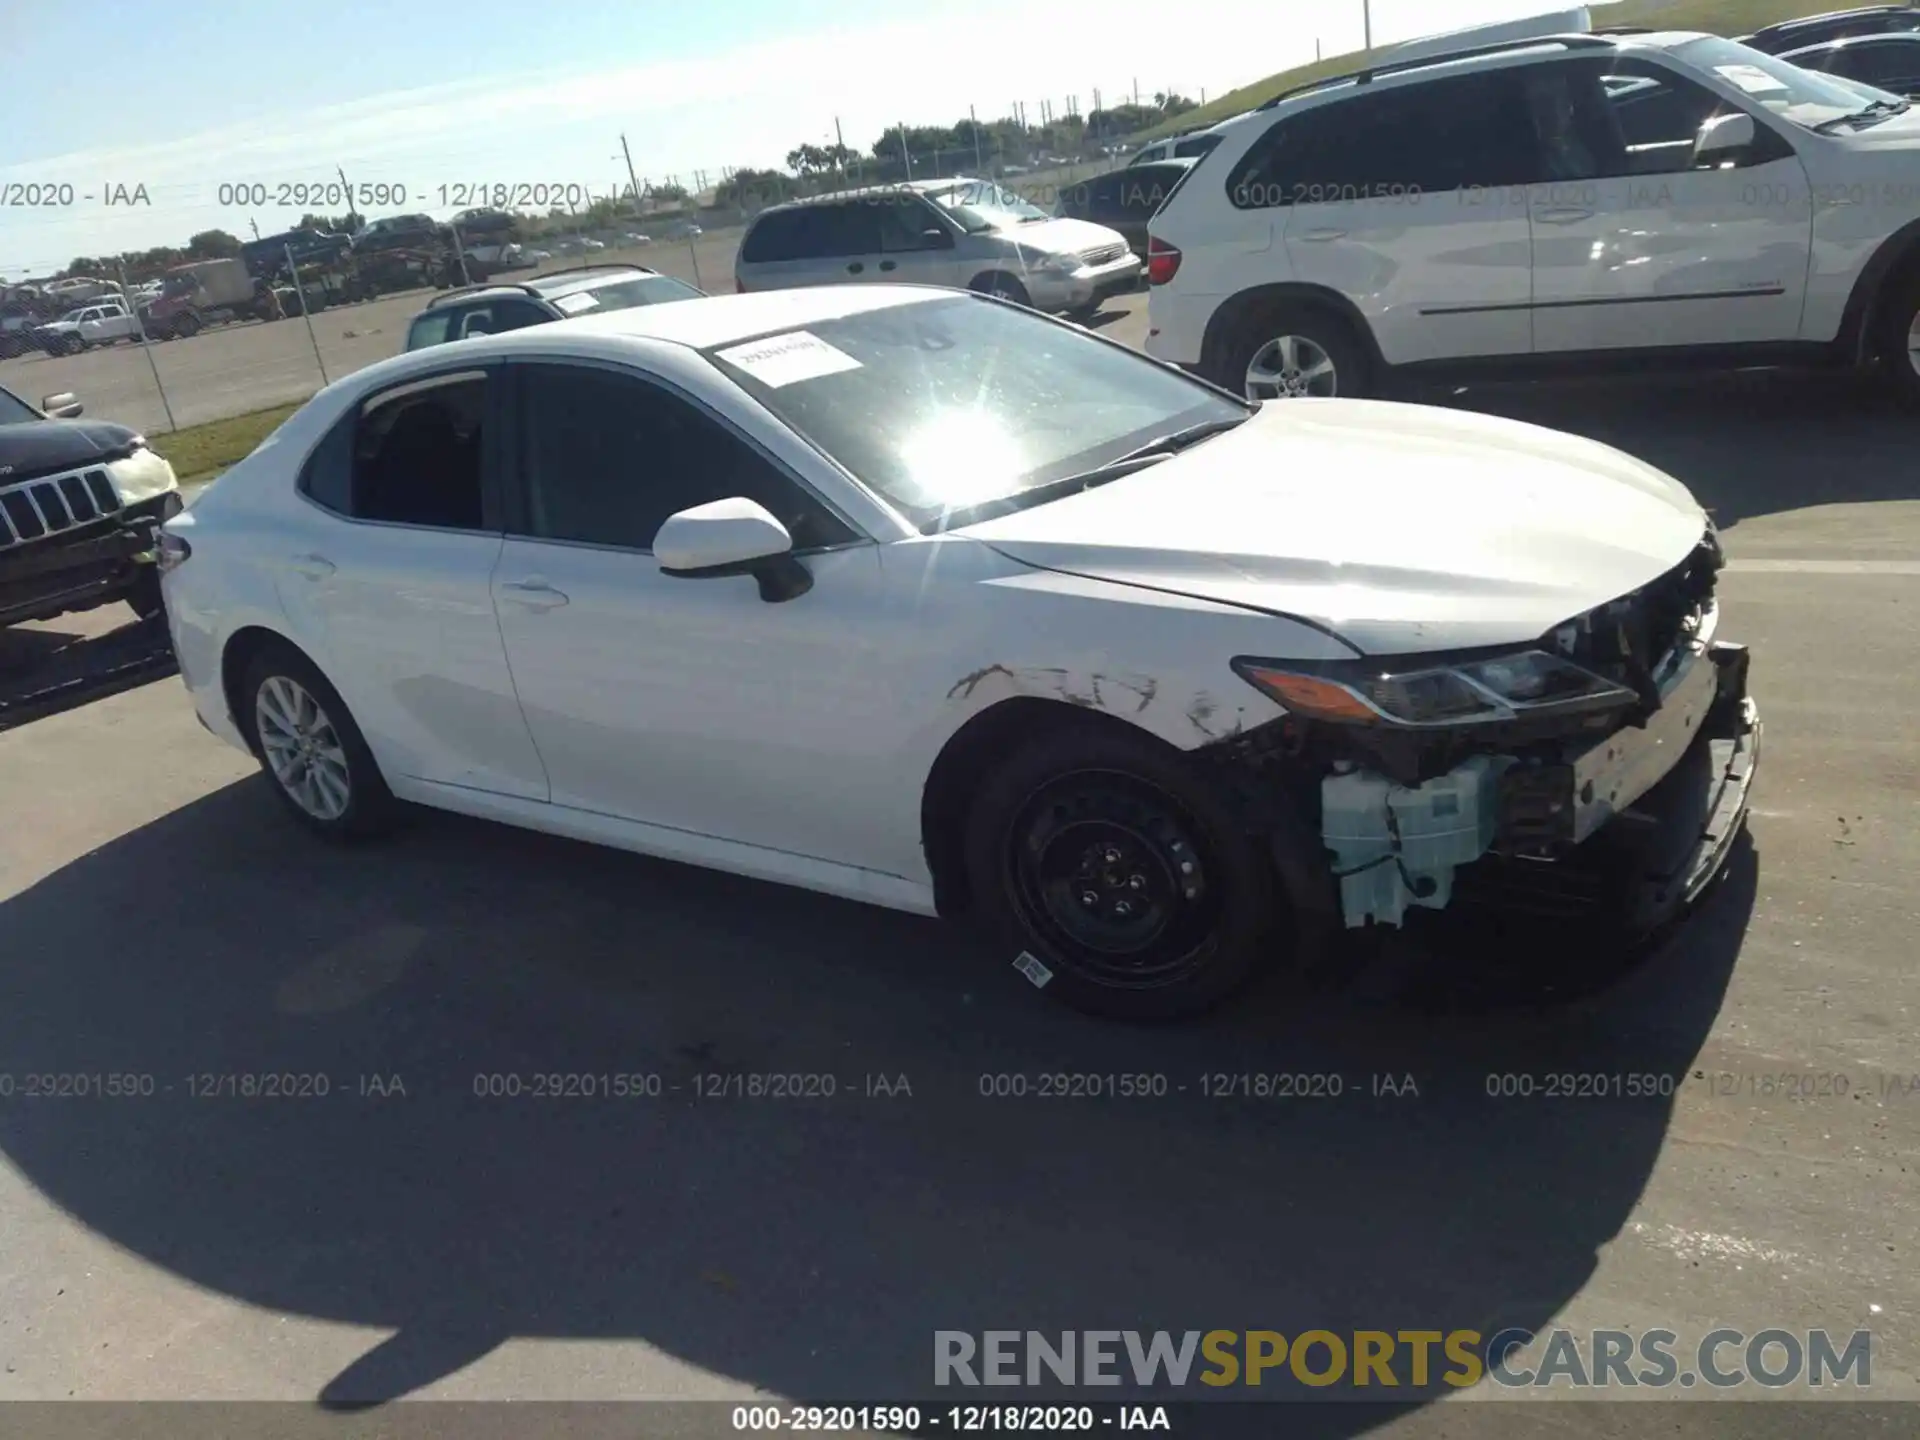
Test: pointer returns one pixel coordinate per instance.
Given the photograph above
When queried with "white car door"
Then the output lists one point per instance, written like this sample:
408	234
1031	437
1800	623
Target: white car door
1408	201
388	584
691	704
91	324
1635	248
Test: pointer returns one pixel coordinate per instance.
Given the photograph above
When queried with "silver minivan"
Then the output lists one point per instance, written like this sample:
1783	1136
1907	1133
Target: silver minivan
963	233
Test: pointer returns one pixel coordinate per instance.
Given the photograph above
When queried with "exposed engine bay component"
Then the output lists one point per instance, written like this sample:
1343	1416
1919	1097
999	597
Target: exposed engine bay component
1395	846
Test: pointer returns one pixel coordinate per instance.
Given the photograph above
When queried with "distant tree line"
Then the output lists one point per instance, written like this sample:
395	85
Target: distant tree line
933	150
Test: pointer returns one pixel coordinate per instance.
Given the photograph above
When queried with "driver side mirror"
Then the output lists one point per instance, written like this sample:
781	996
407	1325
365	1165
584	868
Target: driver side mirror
1723	140
937	237
62	406
735	536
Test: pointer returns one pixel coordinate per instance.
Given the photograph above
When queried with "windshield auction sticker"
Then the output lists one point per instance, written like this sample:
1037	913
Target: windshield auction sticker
788	359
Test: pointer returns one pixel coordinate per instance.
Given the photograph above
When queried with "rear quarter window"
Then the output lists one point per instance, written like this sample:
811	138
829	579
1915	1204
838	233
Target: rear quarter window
432	328
774	236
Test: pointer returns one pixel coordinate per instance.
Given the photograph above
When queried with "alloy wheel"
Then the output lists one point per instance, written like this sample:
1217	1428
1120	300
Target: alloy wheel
1291	366
302	748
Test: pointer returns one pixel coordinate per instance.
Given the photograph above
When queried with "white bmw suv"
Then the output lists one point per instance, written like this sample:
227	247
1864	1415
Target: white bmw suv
1577	202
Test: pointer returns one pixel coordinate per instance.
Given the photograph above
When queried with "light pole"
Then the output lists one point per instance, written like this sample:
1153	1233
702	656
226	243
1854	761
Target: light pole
1366	15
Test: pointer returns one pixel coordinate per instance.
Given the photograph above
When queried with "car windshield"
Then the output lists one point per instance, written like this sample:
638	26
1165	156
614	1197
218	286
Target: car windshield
15	411
623	294
1775	85
981	205
960	408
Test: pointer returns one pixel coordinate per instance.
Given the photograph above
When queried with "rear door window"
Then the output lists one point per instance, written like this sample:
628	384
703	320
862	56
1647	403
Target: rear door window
1419	139
433	328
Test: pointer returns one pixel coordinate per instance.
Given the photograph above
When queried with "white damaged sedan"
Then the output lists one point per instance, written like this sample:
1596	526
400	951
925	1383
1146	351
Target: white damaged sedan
919	598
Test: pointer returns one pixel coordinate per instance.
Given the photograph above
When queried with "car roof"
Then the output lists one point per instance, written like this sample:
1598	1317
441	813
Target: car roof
1850	42
1826	18
917	187
702	323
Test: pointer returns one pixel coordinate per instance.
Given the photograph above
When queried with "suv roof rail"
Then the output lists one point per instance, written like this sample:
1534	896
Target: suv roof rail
528	287
1799	22
1585	40
1623	30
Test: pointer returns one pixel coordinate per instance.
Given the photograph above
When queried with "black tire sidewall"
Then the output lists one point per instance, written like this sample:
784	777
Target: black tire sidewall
1896	322
1328	331
143	594
371	808
1247	934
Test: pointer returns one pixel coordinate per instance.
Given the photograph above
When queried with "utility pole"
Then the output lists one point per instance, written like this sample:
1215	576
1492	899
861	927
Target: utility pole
256	226
906	154
840	151
1136	92
632	179
1366	13
973	124
346	187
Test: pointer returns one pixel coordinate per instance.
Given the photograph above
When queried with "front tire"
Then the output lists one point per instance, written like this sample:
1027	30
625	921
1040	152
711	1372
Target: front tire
1105	857
313	753
1294	352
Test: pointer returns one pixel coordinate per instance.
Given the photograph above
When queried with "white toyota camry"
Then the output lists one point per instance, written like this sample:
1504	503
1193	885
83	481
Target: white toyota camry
920	598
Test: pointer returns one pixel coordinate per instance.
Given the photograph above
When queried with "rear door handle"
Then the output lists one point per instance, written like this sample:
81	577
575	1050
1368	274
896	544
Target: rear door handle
534	593
313	567
1324	234
855	268
887	264
1562	214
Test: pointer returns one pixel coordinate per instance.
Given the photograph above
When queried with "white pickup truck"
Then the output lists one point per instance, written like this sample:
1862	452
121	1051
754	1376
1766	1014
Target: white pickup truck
101	323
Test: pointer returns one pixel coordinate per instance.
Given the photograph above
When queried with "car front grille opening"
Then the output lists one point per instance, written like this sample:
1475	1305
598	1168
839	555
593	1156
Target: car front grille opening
55	503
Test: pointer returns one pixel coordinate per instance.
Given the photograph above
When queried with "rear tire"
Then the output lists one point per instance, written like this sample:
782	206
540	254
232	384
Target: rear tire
313	754
1107	858
1293	351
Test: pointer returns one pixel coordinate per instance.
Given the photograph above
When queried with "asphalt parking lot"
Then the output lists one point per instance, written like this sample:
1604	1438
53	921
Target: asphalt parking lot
407	1236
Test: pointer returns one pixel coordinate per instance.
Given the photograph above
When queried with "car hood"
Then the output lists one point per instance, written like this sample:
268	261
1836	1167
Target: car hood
1060	236
47	447
1399	528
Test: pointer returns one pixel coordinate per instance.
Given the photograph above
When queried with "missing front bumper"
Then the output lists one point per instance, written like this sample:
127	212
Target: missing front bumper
1631	829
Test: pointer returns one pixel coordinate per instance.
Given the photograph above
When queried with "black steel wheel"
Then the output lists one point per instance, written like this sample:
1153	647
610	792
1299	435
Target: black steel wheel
1106	858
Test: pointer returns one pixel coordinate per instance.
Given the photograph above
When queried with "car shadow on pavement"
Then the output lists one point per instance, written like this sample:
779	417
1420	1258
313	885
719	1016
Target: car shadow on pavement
1746	443
807	1246
45	671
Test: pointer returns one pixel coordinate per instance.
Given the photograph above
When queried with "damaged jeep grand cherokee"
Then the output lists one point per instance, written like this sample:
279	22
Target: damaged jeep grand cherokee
80	503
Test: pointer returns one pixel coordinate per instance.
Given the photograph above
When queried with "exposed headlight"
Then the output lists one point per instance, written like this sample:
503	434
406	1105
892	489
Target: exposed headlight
1057	264
1506	687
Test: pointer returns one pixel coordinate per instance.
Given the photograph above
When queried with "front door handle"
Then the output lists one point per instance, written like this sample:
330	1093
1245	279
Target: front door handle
1324	234
887	264
313	567
855	268
534	593
1562	214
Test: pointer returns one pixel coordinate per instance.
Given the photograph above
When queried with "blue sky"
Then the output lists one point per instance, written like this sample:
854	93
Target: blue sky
453	92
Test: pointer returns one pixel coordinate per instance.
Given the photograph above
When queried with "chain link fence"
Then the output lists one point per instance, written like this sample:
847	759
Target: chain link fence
265	293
